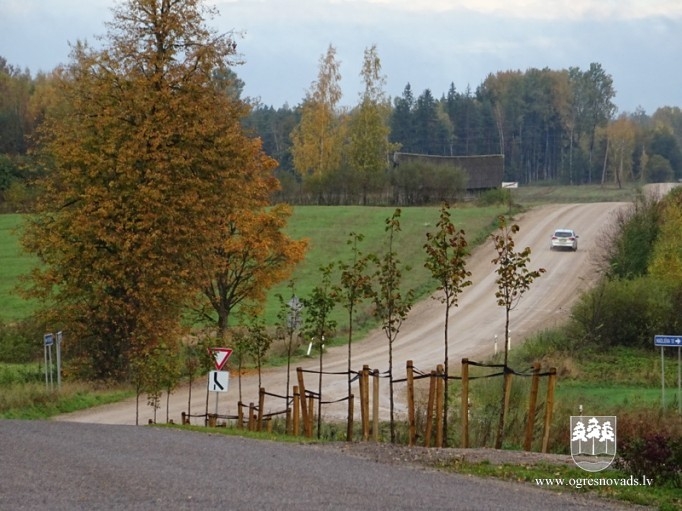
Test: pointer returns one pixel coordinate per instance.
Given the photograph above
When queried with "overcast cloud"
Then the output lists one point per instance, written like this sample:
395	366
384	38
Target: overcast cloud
427	43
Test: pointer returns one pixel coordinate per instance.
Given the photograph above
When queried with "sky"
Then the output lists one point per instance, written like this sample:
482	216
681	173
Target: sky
429	44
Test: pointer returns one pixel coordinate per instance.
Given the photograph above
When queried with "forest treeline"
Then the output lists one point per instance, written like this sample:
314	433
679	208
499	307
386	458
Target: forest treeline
552	126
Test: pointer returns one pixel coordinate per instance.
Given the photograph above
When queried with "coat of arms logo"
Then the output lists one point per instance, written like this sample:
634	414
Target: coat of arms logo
593	441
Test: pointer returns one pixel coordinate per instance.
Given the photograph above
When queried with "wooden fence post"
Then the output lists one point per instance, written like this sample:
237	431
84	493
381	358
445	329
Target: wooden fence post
296	426
508	375
375	405
549	407
351	406
311	416
261	406
429	410
465	402
532	403
304	404
440	372
252	417
240	415
364	401
410	403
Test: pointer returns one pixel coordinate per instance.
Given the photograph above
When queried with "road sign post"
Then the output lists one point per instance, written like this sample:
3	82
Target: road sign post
218	381
670	341
48	341
59	359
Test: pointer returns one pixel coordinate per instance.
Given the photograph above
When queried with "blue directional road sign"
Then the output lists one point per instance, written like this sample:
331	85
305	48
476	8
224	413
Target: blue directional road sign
668	340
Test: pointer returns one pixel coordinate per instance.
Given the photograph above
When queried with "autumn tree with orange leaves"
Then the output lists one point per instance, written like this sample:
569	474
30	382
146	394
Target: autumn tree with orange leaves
252	256
148	172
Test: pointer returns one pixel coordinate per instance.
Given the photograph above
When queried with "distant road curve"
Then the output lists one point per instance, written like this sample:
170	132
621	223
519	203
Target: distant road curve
474	326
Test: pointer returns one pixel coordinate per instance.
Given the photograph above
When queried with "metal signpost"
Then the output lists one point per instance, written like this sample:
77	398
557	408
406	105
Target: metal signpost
218	380
48	341
671	341
59	359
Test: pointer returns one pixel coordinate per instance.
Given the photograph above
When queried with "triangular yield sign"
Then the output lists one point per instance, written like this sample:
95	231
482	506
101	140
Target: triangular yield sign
220	355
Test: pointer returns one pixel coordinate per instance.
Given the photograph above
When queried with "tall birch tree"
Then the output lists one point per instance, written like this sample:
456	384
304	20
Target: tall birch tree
317	141
368	130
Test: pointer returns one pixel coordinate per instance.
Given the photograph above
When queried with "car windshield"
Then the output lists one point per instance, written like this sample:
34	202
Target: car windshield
563	234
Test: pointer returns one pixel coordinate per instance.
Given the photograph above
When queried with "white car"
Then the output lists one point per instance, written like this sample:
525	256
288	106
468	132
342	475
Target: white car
564	238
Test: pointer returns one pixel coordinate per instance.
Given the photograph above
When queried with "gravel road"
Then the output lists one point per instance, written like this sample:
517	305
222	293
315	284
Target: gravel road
60	466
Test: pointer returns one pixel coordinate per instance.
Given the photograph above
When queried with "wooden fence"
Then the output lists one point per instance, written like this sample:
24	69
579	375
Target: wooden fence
298	409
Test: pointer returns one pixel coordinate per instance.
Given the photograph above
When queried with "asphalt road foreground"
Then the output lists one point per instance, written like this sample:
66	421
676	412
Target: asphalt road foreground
74	466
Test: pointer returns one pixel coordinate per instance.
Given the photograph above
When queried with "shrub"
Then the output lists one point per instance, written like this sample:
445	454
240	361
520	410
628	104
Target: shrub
419	183
655	452
20	342
655	455
494	197
626	312
627	244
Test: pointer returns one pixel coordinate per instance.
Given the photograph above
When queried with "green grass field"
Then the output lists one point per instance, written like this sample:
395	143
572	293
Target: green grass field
13	264
327	230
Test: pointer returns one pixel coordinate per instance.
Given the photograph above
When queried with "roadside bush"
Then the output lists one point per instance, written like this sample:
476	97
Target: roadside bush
626	312
627	245
645	450
20	342
415	184
494	197
21	374
657	456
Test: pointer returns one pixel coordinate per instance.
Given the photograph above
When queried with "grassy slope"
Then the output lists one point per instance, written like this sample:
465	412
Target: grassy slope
13	263
327	230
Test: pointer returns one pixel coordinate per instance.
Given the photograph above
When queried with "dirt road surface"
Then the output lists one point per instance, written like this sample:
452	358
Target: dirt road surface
475	326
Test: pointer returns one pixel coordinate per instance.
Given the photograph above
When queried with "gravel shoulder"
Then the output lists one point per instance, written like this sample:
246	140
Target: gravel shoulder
387	453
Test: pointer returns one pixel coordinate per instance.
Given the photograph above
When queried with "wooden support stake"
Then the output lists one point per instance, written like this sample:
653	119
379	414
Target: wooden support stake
507	391
261	407
311	416
465	403
364	401
410	404
296	426
304	406
375	405
252	417
351	405
532	403
549	407
240	415
429	409
439	404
